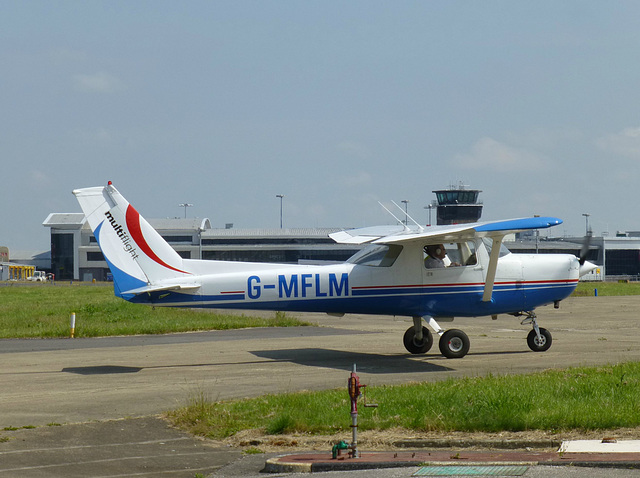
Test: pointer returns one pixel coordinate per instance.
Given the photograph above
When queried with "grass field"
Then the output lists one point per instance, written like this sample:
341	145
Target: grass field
598	398
44	310
556	400
607	288
580	398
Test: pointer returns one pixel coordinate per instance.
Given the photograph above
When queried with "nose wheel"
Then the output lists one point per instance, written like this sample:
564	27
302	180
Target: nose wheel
454	343
539	339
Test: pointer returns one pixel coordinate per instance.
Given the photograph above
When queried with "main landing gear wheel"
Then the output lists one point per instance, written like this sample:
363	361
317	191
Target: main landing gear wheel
454	343
418	346
539	344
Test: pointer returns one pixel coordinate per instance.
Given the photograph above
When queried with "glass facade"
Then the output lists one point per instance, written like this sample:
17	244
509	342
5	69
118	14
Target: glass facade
280	256
62	256
458	214
457	197
623	262
95	256
267	240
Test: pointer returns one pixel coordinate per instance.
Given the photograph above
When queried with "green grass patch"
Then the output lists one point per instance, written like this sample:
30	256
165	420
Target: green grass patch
253	451
586	289
556	400
44	310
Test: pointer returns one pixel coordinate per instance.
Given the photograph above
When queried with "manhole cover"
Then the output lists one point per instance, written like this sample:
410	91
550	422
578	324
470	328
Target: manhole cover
470	470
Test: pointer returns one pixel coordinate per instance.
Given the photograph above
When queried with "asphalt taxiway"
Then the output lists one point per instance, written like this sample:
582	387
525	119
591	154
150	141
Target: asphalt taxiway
46	383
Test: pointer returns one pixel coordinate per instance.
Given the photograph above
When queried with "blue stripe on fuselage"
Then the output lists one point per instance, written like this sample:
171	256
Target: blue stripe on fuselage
442	300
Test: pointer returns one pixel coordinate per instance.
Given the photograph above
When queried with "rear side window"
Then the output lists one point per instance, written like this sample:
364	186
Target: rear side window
377	255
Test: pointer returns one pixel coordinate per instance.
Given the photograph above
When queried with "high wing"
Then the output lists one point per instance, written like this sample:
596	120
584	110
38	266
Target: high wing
406	234
495	230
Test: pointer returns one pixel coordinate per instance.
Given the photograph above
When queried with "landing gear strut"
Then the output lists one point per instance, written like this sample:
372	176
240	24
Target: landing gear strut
539	339
418	339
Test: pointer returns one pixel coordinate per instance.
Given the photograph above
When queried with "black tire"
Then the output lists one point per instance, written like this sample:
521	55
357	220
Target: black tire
454	343
415	347
539	345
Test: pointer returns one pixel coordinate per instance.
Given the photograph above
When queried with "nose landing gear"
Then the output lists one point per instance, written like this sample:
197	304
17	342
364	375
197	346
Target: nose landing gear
539	339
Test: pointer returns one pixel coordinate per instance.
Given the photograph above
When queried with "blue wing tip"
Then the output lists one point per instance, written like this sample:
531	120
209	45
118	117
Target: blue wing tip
520	224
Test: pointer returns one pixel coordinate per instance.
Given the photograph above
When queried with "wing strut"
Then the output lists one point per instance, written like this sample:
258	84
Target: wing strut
491	270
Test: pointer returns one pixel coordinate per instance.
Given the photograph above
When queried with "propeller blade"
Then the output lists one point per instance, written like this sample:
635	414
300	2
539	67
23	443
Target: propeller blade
585	246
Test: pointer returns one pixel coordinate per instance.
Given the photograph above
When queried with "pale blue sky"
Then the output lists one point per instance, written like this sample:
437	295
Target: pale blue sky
334	104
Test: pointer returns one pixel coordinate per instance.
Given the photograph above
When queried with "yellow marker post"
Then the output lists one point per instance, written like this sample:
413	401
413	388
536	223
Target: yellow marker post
73	324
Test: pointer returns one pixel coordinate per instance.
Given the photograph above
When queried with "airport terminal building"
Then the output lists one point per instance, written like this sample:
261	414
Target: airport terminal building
618	257
75	254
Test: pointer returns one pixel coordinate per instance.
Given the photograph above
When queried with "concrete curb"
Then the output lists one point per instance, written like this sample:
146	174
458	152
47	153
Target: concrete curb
506	444
320	462
281	465
274	465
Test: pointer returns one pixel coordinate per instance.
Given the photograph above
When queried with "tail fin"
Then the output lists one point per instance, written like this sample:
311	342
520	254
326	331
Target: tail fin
137	255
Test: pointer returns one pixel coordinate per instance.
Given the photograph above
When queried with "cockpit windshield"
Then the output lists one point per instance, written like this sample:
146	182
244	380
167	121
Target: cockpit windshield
376	255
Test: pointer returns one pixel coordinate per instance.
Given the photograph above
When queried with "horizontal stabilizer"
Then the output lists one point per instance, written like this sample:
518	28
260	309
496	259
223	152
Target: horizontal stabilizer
160	287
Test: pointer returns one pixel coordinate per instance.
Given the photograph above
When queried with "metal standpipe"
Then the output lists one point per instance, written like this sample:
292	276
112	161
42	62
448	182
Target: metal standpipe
353	386
354	393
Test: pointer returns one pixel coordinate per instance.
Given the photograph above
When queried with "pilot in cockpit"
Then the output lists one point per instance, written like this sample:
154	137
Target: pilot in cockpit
436	253
437	257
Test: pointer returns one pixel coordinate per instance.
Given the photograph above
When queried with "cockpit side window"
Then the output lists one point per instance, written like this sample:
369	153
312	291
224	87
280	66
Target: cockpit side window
376	255
450	254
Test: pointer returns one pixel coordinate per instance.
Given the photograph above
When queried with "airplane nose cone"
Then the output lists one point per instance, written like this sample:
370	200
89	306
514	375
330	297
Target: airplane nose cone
587	267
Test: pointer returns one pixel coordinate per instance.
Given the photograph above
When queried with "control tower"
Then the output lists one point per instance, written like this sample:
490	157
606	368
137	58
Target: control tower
456	205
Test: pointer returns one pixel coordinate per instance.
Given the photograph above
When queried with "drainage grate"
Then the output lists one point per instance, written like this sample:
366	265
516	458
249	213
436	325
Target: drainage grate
469	470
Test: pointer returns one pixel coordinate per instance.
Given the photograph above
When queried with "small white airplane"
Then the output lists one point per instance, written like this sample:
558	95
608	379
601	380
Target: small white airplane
431	274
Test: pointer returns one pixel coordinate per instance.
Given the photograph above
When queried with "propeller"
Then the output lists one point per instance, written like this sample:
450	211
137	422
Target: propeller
585	265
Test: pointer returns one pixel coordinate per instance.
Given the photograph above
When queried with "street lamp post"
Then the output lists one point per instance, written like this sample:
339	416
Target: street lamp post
430	207
406	212
586	218
280	196
185	206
